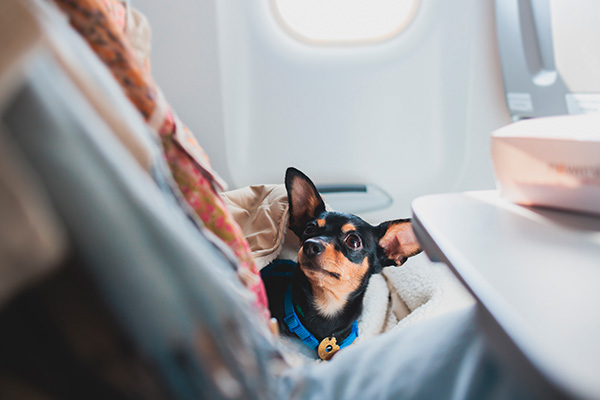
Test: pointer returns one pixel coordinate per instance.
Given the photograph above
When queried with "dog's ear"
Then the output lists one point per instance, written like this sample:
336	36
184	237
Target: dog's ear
304	200
397	242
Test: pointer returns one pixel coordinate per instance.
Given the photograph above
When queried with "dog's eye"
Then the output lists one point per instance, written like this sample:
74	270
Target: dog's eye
353	241
310	228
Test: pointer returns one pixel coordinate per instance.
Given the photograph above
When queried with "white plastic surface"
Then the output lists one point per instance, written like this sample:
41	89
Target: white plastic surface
535	271
412	115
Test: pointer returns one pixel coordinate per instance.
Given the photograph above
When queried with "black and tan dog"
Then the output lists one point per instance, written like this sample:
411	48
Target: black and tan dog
320	298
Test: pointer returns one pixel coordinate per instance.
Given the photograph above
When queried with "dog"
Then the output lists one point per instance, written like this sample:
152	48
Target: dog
319	298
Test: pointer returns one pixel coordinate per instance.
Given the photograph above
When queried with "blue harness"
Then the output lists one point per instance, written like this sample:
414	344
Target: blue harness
293	322
295	326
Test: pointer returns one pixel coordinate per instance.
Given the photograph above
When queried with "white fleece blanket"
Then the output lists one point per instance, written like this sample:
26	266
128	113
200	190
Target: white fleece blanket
427	289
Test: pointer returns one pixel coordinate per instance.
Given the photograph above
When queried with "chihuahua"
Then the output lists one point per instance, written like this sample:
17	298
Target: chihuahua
319	298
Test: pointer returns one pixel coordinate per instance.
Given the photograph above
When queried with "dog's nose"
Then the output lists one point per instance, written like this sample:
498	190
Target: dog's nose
312	247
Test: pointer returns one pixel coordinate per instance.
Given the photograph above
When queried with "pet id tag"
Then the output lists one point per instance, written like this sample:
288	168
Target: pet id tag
327	348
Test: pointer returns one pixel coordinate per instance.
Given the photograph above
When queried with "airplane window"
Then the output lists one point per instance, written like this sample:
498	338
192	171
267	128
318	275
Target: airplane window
345	21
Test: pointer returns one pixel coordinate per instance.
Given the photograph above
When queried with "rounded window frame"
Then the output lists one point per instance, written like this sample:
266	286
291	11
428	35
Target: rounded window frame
406	21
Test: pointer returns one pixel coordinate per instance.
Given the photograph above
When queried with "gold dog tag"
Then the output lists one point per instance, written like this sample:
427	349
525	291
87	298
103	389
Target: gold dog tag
327	348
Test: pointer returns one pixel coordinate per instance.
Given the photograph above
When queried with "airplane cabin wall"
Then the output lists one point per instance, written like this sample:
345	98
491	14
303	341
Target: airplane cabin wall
185	64
412	114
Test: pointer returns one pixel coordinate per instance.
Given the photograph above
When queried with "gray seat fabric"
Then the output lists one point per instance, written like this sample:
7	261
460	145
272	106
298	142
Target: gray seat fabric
172	292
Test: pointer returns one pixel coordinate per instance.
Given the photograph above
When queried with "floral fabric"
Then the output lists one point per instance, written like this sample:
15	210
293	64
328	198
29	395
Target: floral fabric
98	22
118	12
197	186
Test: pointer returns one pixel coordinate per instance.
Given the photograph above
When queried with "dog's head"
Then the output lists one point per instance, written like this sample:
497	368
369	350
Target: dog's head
340	251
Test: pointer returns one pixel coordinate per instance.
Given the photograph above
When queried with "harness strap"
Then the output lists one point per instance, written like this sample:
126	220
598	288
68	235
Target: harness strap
296	327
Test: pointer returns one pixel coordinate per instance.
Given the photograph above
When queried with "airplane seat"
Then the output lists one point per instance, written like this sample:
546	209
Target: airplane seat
548	57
